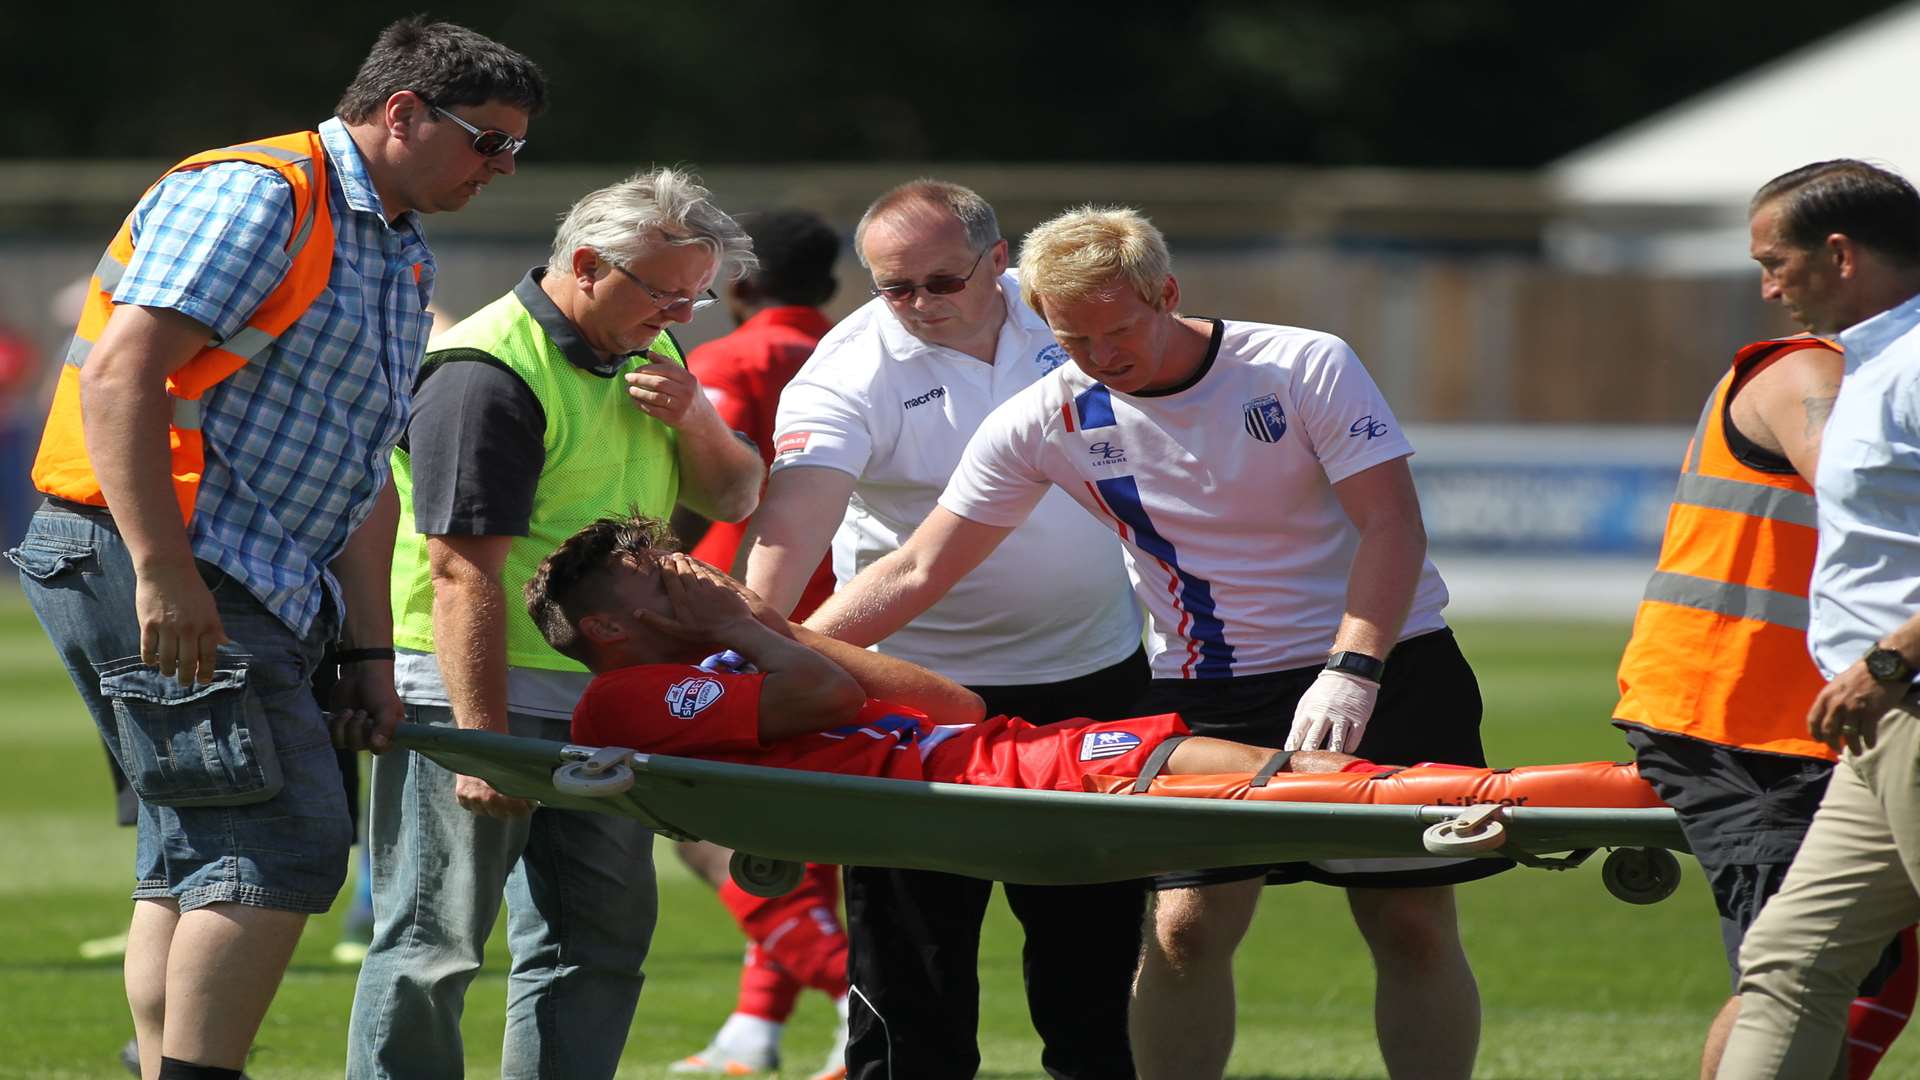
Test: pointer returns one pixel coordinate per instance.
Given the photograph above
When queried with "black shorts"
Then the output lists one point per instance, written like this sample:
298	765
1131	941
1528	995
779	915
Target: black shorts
1428	710
1743	812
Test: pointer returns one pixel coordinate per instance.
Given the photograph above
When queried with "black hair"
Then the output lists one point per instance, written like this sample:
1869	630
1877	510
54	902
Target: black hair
571	583
797	250
446	65
1872	207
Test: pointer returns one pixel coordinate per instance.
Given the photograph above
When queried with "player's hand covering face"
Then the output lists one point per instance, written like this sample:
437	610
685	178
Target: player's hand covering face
704	606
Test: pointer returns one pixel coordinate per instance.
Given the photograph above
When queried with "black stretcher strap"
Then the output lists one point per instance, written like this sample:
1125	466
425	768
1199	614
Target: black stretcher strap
1274	764
1157	761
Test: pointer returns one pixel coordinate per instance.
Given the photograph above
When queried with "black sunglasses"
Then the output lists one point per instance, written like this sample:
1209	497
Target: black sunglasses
489	142
940	285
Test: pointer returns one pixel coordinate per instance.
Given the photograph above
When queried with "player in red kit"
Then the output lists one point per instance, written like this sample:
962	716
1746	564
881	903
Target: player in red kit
642	619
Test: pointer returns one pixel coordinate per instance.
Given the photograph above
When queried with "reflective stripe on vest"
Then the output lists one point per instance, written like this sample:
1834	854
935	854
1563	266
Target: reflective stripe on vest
1719	647
1734	601
62	466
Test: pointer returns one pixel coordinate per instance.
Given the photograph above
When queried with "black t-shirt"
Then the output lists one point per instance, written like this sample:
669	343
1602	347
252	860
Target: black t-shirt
477	440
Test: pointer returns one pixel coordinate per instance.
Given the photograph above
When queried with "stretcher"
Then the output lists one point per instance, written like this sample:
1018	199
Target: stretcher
785	818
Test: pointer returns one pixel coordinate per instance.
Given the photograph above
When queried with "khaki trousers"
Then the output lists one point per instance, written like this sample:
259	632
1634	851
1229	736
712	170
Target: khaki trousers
1851	888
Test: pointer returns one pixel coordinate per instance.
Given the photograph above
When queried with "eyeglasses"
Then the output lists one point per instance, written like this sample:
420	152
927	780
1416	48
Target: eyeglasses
487	143
667	301
938	285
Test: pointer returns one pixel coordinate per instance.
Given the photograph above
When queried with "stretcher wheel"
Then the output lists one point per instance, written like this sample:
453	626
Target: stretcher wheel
1456	836
760	876
580	778
1641	875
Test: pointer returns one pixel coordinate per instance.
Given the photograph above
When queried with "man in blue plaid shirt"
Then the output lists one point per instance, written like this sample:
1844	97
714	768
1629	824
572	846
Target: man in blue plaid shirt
192	636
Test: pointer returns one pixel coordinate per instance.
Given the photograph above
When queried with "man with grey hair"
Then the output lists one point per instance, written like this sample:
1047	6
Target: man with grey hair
564	401
867	434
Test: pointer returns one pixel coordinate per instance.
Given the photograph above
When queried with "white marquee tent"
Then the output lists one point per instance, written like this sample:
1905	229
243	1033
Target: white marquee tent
1852	94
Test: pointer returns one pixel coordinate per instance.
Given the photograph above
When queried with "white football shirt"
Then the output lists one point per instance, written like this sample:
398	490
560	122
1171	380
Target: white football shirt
1052	603
1221	490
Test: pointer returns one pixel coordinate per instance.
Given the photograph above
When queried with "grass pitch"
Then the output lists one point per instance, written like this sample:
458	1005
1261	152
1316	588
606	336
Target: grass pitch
1574	983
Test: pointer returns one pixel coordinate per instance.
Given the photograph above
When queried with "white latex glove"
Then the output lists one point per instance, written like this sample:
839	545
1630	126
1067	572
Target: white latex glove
1333	713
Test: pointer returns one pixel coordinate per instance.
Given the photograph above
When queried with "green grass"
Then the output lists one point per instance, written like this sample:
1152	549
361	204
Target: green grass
1575	983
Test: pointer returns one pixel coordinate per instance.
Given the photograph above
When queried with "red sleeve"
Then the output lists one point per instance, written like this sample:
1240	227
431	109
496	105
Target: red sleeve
722	380
670	709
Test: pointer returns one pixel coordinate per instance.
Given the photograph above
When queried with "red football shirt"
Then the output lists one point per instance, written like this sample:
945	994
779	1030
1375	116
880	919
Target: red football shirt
674	709
743	374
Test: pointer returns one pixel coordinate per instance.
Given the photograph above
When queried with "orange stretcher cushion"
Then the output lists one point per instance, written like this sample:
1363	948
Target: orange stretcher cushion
1582	784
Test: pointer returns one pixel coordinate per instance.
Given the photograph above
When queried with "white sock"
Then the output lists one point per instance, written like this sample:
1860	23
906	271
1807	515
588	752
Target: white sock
837	1054
748	1036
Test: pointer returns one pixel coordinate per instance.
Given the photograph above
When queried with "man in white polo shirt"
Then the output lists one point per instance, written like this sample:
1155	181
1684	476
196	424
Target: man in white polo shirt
867	436
1259	484
1838	243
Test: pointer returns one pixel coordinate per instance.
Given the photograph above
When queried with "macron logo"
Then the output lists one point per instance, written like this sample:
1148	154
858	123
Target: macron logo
934	394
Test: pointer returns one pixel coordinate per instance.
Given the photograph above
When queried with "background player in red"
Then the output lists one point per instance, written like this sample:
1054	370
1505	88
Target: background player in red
777	309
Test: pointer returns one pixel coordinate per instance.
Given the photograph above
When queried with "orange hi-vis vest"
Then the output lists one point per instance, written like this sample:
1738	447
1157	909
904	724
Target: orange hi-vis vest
62	467
1719	648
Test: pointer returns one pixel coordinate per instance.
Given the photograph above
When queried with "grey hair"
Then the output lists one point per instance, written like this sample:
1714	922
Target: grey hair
622	221
965	204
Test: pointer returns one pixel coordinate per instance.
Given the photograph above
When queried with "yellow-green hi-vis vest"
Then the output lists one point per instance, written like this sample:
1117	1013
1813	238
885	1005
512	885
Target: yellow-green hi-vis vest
604	457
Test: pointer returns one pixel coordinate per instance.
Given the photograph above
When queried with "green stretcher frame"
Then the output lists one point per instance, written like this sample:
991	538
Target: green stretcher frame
1030	837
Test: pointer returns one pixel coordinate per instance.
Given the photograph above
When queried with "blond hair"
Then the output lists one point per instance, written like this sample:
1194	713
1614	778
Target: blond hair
1086	251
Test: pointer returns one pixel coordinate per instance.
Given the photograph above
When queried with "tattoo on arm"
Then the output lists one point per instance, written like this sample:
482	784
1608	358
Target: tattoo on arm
1818	409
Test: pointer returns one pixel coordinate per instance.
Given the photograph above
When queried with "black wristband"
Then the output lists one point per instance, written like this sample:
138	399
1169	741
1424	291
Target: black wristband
1357	663
356	656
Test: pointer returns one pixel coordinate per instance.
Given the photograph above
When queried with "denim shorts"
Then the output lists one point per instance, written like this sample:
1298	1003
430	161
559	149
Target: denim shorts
240	792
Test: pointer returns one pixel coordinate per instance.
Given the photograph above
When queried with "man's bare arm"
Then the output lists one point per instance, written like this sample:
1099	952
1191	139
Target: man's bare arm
887	678
123	396
1783	407
365	571
896	590
802	690
720	473
1384	507
470	644
789	535
901	682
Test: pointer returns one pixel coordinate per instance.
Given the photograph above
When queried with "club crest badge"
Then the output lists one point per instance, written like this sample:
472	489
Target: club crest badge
686	698
1095	745
1049	358
1266	421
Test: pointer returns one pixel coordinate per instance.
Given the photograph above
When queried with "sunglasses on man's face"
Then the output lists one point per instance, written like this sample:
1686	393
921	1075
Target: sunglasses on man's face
489	142
939	285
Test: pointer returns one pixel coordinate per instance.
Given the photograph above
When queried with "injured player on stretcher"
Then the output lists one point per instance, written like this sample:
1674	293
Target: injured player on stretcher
644	620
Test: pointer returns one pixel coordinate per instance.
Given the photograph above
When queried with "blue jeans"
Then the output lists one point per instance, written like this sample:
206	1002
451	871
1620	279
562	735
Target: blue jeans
240	795
580	913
